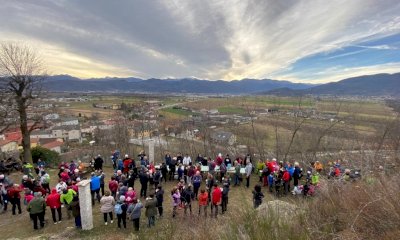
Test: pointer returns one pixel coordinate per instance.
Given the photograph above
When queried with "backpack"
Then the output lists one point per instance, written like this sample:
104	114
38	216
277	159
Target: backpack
118	208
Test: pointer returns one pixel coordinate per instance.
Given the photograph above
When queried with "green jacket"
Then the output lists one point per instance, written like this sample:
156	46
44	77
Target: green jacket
67	197
151	207
37	205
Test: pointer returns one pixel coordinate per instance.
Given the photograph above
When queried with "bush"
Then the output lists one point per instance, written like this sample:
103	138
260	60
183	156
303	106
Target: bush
50	157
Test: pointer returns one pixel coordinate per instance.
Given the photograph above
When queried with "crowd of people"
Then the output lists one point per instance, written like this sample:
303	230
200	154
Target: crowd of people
204	182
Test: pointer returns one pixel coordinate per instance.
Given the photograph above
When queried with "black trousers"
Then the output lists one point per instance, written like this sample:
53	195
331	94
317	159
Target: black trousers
248	181
16	202
97	192
102	189
35	218
160	210
136	224
53	214
105	216
143	190
224	204
121	217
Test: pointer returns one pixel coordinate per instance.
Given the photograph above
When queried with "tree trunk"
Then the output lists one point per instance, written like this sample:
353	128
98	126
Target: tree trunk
26	135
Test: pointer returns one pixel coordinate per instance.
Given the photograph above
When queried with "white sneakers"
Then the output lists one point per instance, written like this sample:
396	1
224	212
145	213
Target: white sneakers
106	223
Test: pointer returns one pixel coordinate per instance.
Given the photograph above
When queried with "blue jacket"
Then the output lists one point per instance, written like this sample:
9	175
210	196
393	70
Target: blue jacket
270	180
197	180
120	164
95	183
290	170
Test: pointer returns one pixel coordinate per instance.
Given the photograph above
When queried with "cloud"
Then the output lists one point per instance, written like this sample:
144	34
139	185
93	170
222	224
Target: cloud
212	39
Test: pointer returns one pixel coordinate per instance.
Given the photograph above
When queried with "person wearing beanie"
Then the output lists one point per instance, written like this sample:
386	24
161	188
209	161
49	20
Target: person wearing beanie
120	209
36	209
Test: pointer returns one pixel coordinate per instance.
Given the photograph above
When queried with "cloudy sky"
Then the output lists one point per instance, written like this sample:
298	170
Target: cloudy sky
302	41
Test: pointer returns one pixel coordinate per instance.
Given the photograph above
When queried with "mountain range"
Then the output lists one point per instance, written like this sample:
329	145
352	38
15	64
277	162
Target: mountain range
370	85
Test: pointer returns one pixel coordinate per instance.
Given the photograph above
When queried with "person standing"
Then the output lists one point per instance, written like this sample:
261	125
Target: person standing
248	170
113	186
197	178
36	209
215	200
151	210
203	202
66	198
120	209
237	173
53	201
134	211
176	200
14	194
107	206
76	211
188	196
225	192
101	175
160	200
144	179
98	163
257	196
95	187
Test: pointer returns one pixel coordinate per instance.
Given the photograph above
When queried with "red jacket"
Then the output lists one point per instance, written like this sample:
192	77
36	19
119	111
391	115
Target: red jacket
127	162
286	176
64	176
113	186
53	200
216	195
14	192
219	161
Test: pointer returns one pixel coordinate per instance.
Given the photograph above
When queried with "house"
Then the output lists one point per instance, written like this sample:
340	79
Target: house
68	133
41	134
51	116
54	145
67	122
8	145
223	137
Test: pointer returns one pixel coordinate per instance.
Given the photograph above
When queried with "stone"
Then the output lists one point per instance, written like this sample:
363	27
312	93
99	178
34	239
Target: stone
151	151
85	203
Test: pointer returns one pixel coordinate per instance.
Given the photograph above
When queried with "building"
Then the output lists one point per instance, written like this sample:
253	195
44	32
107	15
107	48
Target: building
54	145
51	116
8	146
68	133
41	134
67	122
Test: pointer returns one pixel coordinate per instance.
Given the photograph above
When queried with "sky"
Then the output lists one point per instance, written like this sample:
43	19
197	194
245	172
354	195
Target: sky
313	41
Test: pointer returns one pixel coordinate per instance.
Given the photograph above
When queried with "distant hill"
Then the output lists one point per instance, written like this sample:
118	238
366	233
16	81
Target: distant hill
370	85
186	85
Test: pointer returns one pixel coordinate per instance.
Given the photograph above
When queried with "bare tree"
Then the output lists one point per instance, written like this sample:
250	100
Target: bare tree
22	73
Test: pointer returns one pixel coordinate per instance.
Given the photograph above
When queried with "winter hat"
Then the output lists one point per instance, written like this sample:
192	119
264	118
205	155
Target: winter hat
76	170
122	199
2	176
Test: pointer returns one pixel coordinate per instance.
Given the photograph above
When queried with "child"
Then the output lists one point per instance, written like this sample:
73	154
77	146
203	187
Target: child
271	181
176	200
257	196
160	200
203	202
